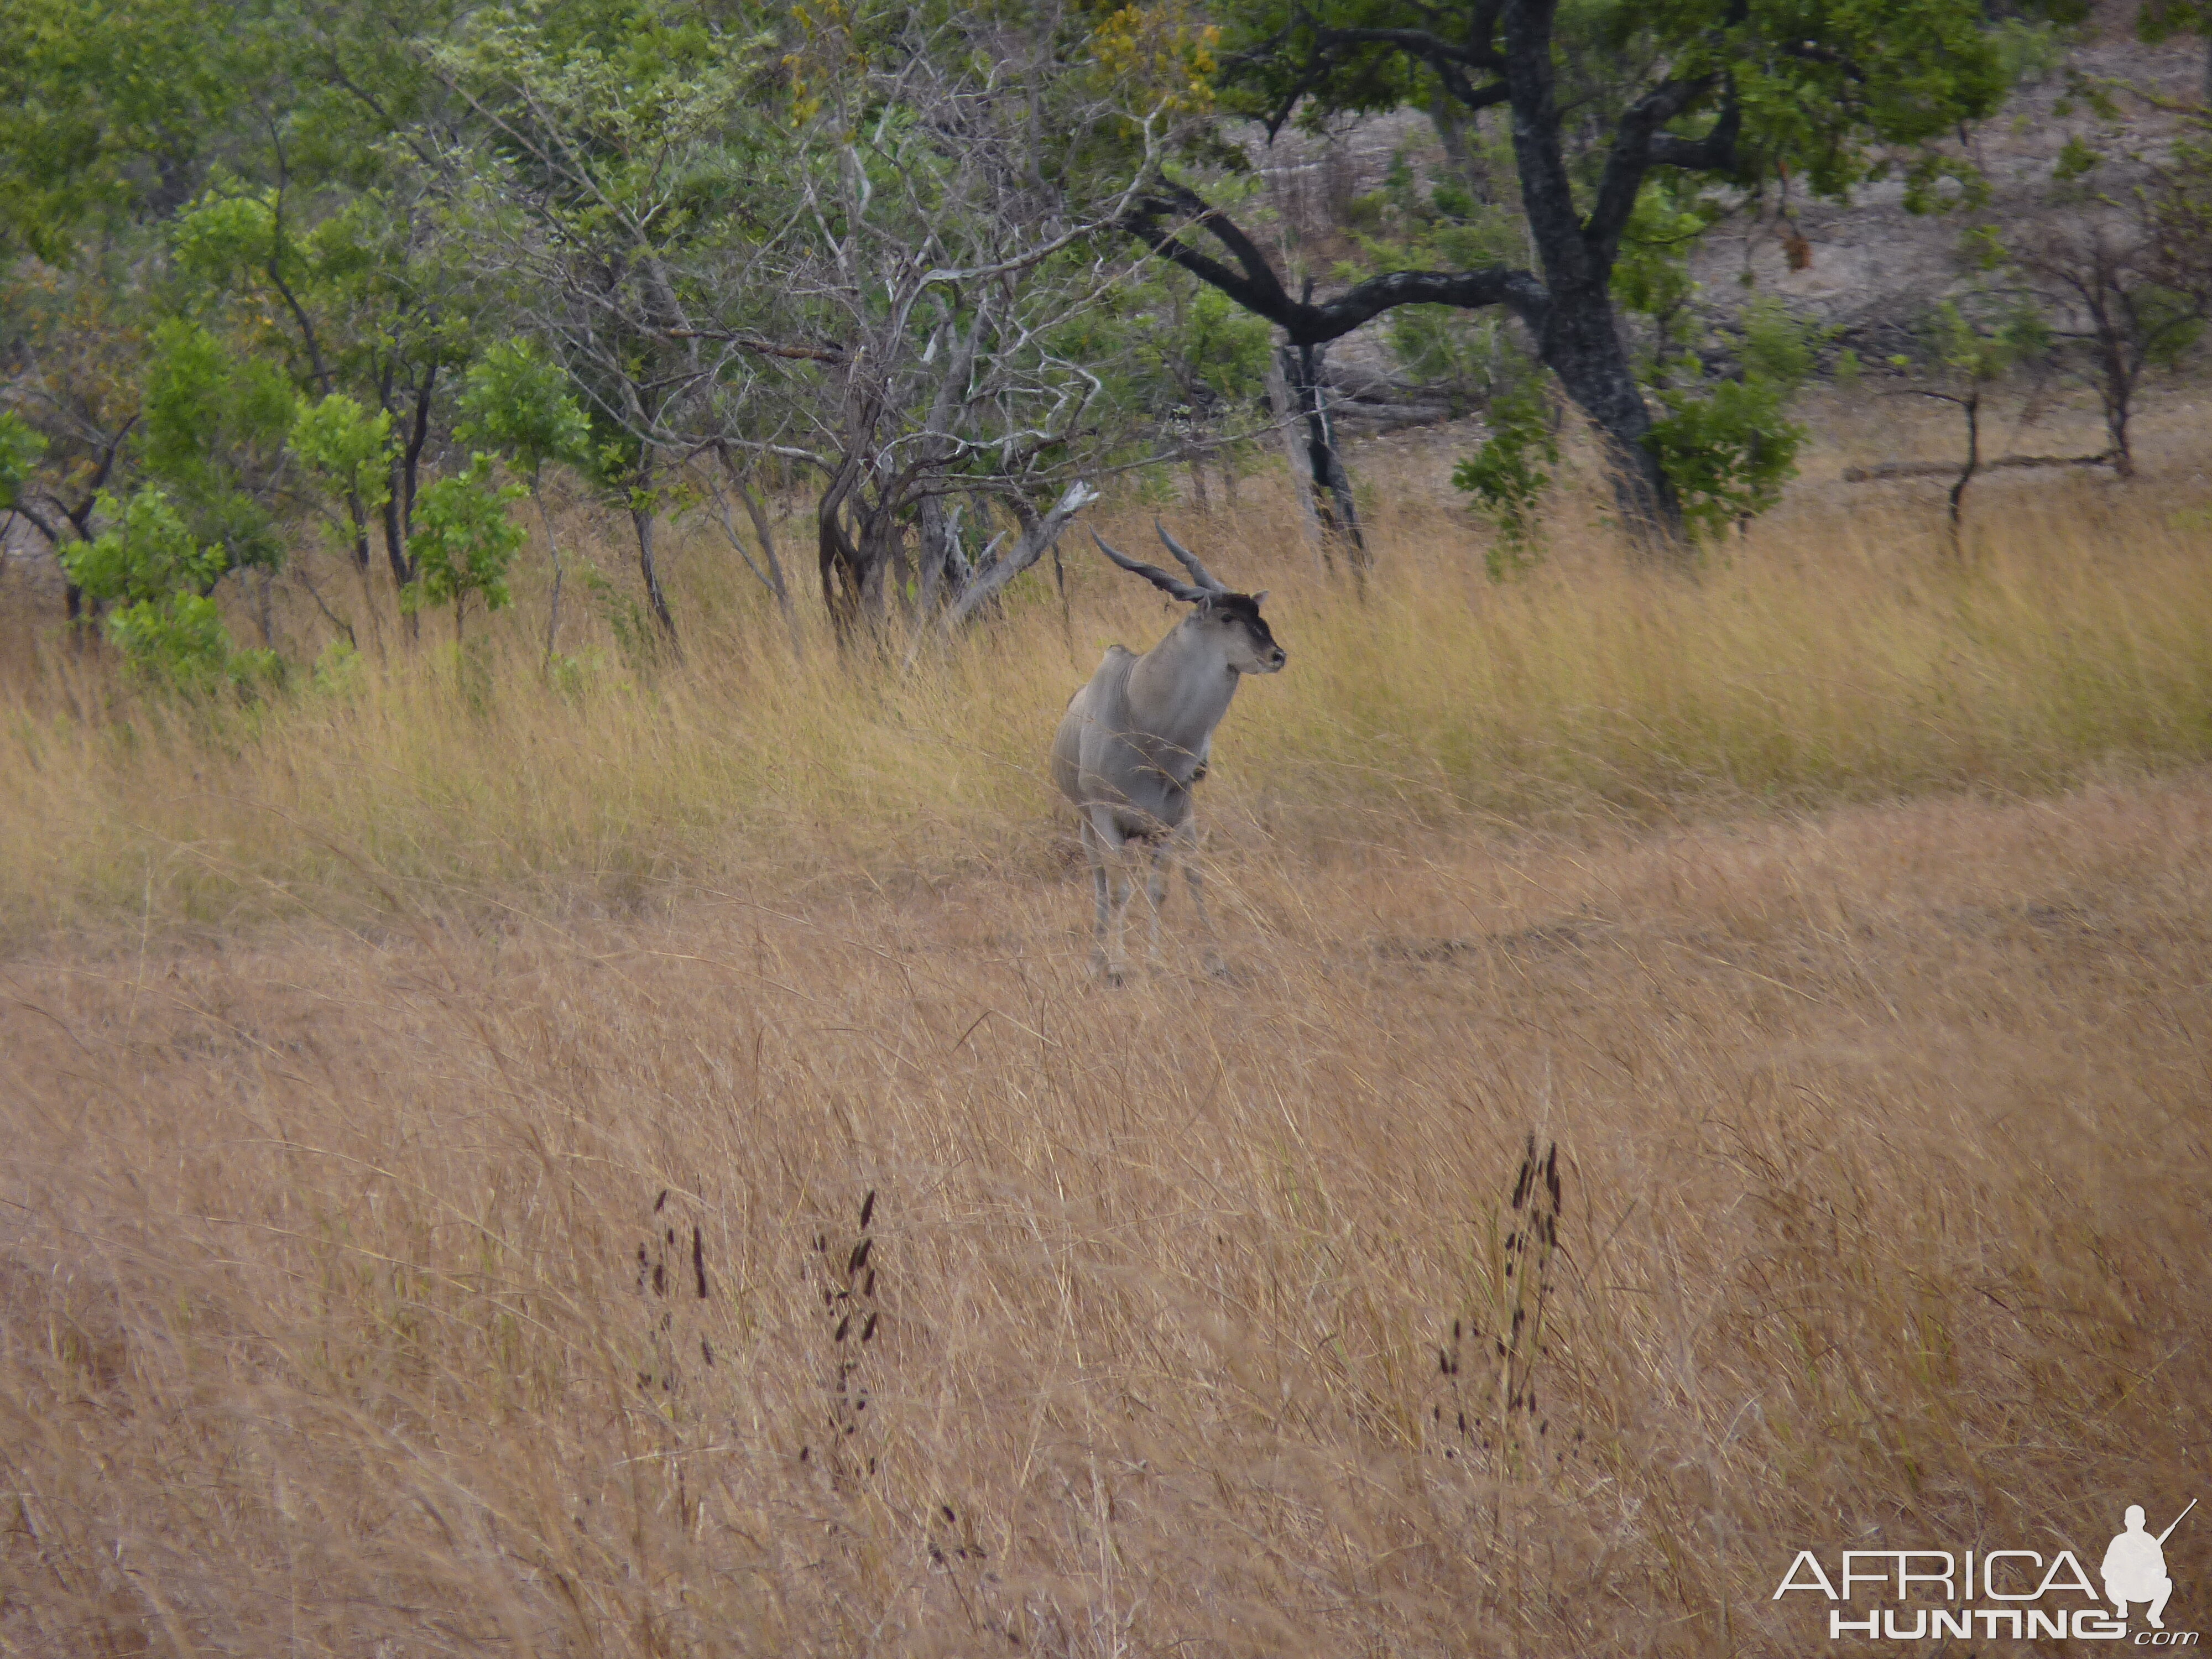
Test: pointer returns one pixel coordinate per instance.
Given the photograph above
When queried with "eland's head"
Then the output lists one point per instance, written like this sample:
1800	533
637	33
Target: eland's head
1226	620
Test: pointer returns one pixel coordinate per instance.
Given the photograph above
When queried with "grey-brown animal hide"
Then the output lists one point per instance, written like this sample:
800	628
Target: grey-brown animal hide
1135	740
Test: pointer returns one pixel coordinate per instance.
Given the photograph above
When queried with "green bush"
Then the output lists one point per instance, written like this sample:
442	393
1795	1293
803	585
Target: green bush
464	541
149	565
1510	474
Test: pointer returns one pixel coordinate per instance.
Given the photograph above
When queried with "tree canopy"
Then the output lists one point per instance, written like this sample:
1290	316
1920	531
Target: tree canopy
1613	109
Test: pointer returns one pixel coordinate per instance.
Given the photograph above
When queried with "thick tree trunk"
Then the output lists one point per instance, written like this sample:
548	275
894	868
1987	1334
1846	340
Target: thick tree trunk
1575	225
898	580
1579	337
403	476
406	473
857	562
833	566
838	556
395	533
1584	350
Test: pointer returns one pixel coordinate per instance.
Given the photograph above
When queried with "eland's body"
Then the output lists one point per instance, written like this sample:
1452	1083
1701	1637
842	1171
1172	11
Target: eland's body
1135	740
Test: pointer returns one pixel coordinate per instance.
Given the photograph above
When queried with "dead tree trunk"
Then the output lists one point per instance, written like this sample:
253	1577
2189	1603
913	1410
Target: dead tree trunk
642	519
768	569
1040	531
1283	403
1333	508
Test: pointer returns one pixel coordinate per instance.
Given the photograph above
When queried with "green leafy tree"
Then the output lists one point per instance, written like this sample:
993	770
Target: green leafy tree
349	450
344	444
1182	364
1729	448
107	112
1211	361
73	345
853	250
354	304
213	430
608	146
1725	440
518	401
846	242
1461	215
464	540
1728	443
149	553
403	317
1606	100
158	576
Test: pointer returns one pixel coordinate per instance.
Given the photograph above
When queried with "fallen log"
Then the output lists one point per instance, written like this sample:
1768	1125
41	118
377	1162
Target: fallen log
1887	470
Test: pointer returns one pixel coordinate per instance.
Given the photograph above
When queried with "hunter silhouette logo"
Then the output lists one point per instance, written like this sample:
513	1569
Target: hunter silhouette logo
2017	1594
2135	1566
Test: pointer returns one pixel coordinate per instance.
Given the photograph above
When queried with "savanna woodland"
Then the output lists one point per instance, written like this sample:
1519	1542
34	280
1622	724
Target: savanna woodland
555	1093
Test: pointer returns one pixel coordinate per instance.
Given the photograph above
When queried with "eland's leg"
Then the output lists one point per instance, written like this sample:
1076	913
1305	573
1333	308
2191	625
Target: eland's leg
1095	855
1188	835
1117	955
1156	889
1110	877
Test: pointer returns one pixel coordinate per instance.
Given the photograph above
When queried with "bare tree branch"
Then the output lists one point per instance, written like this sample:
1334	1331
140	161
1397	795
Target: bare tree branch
1035	540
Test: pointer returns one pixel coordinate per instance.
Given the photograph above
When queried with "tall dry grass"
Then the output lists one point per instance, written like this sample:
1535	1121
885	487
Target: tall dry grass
853	1275
1822	660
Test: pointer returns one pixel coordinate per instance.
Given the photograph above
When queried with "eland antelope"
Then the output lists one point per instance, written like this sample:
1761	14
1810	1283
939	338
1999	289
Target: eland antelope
1136	738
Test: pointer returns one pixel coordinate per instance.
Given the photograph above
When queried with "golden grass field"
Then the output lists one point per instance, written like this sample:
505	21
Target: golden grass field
443	1114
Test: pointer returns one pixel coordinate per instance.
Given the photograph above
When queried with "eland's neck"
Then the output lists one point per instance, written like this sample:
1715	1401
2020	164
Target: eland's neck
1181	688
